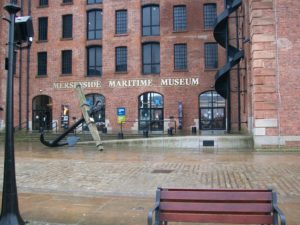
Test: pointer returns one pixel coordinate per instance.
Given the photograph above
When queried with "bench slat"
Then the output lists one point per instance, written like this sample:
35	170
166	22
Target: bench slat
216	207
213	196
219	218
217	190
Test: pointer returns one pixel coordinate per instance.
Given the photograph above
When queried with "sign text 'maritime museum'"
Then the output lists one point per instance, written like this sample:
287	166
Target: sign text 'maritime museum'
166	82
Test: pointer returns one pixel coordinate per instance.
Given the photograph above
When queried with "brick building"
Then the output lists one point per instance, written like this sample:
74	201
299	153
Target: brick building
162	61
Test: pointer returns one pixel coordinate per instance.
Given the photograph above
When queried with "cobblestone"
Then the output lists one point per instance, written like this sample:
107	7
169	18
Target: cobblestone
83	171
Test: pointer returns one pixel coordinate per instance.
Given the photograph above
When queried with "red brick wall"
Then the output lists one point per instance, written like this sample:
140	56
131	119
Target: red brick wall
288	46
3	29
195	38
275	65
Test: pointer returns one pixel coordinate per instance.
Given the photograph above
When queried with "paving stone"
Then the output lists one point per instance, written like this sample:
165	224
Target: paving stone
80	185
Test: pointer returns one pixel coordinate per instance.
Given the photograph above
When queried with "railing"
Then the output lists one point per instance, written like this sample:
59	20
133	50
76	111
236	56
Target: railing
234	55
20	127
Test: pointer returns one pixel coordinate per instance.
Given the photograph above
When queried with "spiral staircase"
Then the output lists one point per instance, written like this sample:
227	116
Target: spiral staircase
234	54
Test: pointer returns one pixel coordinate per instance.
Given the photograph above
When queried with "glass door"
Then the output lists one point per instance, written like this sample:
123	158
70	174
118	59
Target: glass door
42	112
151	117
211	111
212	118
157	122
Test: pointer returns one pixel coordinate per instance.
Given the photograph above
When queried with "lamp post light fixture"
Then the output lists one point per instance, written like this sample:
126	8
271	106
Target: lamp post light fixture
10	210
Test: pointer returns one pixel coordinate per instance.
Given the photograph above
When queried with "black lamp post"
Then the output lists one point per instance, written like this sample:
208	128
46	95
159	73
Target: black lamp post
10	210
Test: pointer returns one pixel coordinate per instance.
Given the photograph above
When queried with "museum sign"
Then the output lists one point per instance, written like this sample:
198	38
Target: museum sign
163	82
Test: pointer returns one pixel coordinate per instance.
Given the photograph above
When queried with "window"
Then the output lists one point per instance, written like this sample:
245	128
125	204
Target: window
94	31
151	58
211	55
67	26
43	2
210	15
150	17
67	1
179	18
66	62
42	63
94	61
94	1
180	57
121	22
121	59
43	28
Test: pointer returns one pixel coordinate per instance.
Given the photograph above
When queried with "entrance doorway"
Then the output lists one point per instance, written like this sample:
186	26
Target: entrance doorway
211	111
42	112
151	112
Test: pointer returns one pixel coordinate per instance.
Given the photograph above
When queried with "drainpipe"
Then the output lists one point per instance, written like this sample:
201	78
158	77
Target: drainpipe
277	75
228	81
20	79
27	76
238	72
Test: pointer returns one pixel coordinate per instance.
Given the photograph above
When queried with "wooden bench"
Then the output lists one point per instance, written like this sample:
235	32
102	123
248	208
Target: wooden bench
216	206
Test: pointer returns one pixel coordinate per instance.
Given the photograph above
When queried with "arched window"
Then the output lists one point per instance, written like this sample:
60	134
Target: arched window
151	111
94	24
42	112
211	111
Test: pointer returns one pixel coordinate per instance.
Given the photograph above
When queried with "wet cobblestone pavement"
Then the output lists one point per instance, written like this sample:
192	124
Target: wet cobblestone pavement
82	186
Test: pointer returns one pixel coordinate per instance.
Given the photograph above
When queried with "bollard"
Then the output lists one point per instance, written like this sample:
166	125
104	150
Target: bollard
120	135
170	131
194	130
104	130
145	133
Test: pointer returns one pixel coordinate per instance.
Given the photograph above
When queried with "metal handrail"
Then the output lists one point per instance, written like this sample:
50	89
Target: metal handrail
148	127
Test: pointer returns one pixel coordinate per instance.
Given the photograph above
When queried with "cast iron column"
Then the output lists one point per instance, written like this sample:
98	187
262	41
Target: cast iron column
10	210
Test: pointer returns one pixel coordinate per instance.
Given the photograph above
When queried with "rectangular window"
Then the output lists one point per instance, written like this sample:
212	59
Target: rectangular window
66	62
121	22
94	1
151	58
67	26
43	28
43	2
121	59
67	1
211	55
210	15
42	63
94	61
151	20
94	25
179	18
180	57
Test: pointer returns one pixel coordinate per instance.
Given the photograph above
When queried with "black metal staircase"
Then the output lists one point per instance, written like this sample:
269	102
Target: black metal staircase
234	54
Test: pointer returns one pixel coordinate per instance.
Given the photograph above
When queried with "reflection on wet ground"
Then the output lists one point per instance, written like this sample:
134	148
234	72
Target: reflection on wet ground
80	185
